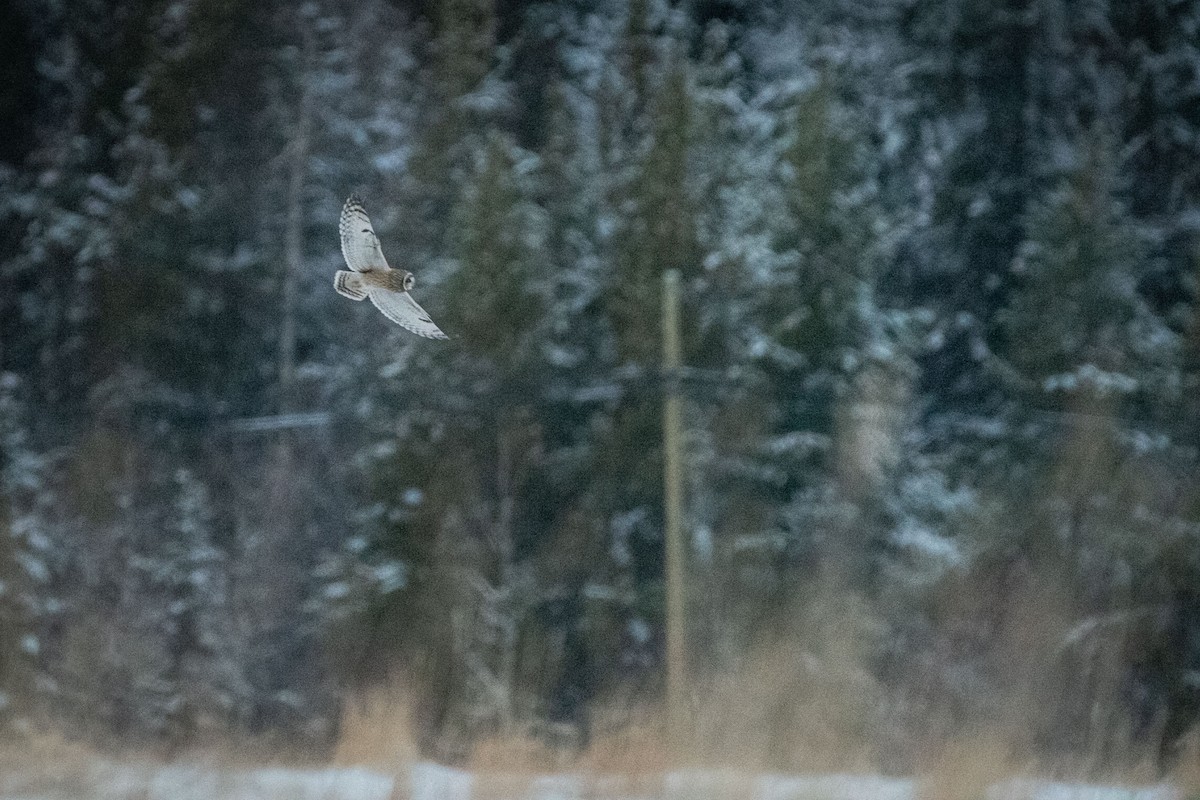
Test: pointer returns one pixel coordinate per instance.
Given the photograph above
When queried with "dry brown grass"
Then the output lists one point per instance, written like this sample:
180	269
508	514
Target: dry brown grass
808	701
964	770
804	701
45	761
377	729
516	754
632	762
639	749
1186	774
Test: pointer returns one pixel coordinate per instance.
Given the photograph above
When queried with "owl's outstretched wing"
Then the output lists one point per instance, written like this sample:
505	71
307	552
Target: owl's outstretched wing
401	309
360	245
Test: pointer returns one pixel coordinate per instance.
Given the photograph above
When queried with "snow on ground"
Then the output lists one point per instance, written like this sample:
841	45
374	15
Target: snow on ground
175	782
1025	789
428	781
435	782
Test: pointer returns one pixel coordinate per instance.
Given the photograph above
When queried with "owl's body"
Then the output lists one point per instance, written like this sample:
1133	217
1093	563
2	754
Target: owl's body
371	277
355	285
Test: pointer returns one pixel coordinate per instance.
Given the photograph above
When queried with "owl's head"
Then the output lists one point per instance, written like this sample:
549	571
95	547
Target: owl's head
409	281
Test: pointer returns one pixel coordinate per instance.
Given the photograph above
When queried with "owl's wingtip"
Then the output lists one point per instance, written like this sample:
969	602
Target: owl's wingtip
355	199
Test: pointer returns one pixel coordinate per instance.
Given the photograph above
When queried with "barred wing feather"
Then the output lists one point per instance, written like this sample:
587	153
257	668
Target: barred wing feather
401	309
360	245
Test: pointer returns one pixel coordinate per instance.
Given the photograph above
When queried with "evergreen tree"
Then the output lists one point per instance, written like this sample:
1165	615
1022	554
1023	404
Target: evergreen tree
1078	329
830	351
1092	370
661	234
28	505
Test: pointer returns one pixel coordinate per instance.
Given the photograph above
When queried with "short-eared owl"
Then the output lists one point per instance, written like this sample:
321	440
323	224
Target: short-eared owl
370	275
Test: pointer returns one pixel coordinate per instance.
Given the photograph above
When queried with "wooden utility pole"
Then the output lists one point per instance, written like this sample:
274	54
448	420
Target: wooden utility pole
677	714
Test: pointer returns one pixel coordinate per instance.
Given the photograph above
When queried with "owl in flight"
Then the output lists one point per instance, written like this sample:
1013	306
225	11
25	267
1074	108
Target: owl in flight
370	276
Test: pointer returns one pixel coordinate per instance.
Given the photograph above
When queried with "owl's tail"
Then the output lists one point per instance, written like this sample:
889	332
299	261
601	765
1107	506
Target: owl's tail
350	284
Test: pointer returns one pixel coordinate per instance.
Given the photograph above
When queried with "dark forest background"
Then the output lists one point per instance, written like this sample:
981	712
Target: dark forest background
939	264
